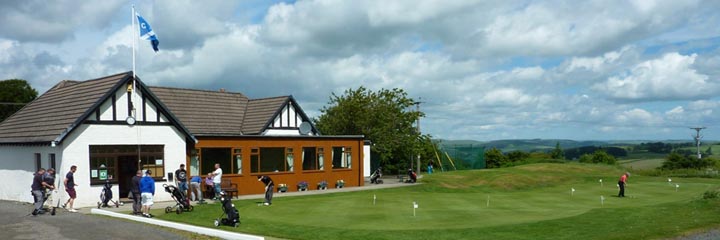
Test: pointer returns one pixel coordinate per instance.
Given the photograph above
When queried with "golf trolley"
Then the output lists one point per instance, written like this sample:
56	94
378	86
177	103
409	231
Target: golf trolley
375	177
106	196
182	203
231	215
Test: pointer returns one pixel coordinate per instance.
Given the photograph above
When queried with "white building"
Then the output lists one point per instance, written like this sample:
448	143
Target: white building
103	126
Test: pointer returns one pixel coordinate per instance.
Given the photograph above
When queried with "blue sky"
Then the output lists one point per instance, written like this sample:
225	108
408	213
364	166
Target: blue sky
485	70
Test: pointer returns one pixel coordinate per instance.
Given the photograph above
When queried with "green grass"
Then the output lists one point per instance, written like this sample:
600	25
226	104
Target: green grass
526	202
642	164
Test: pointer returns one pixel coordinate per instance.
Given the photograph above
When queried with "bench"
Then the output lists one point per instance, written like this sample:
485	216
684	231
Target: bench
229	188
401	178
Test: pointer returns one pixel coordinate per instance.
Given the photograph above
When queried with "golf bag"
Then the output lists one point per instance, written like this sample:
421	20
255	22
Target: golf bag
375	177
182	203
230	215
106	196
412	176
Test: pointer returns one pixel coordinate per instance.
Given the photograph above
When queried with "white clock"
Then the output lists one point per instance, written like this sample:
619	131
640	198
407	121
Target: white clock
130	120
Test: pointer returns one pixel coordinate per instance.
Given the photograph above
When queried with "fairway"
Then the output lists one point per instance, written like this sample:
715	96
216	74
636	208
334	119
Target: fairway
527	202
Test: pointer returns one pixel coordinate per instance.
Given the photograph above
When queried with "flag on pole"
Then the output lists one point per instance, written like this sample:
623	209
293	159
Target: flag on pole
147	33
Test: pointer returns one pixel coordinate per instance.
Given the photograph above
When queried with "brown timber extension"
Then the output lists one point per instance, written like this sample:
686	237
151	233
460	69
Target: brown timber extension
286	159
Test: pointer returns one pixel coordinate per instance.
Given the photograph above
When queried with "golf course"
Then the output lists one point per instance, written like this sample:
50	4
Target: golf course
536	201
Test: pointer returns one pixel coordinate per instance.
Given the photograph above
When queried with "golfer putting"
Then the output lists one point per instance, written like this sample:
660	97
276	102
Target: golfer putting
621	183
269	187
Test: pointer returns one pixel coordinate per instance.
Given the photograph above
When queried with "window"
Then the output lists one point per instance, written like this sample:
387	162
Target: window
194	162
113	162
271	159
210	156
51	156
341	157
238	160
38	162
312	158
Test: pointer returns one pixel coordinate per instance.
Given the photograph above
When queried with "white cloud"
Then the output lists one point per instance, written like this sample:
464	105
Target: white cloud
669	77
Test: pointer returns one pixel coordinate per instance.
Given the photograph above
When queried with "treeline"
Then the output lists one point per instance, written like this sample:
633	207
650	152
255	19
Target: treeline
576	153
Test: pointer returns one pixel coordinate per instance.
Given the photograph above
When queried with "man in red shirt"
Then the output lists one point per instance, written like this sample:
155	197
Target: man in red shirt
622	183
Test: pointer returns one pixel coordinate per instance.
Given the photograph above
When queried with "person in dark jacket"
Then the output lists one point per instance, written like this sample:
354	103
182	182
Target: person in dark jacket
38	191
135	191
147	191
269	187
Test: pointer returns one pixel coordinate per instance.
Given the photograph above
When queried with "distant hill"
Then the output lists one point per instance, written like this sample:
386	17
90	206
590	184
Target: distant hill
527	145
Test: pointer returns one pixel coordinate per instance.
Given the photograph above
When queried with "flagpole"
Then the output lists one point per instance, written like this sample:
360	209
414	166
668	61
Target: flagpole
132	19
134	84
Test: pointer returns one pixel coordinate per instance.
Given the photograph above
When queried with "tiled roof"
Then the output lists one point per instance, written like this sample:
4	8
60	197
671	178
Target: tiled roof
205	112
260	112
48	116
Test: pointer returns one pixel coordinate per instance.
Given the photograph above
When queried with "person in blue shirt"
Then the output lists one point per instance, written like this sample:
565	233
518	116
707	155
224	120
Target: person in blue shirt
195	189
147	191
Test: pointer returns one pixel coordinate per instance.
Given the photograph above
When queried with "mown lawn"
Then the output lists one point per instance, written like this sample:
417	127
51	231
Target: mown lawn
525	202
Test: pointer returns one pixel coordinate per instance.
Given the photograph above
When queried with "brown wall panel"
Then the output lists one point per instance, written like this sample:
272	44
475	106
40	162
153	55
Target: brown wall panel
247	182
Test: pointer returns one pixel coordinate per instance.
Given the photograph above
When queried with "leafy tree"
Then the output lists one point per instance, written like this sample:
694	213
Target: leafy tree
494	158
677	161
385	117
708	152
14	93
517	155
598	156
557	153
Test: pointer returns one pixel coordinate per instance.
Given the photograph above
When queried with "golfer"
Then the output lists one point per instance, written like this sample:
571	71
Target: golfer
269	186
621	183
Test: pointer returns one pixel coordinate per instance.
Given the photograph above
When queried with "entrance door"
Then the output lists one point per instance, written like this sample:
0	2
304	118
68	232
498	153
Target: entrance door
127	167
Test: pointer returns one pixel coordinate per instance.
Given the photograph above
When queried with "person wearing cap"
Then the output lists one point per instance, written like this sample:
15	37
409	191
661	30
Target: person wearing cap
147	189
269	187
70	189
621	183
181	179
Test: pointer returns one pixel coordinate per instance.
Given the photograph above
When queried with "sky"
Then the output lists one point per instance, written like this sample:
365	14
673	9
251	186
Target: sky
483	70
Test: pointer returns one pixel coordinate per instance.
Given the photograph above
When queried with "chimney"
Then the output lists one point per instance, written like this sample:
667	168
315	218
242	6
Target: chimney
222	90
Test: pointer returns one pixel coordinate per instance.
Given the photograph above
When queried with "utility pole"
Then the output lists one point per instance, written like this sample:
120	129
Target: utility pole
697	138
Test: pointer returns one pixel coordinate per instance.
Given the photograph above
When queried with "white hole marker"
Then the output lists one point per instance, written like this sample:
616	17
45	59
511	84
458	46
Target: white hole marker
676	187
602	200
415	206
601	184
374	198
572	191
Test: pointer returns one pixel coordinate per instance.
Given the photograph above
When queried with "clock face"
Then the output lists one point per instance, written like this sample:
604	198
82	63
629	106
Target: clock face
130	120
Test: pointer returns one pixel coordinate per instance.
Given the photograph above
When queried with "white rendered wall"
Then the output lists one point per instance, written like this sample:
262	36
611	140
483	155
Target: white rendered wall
76	152
17	166
366	161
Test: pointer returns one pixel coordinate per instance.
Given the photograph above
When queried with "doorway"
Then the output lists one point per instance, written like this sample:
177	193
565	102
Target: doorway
127	167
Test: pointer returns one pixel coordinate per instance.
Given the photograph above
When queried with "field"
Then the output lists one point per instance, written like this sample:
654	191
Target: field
525	202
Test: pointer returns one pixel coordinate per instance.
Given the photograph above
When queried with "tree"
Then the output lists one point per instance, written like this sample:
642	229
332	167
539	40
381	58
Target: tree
598	156
557	153
385	117
676	161
494	158
14	94
517	155
708	152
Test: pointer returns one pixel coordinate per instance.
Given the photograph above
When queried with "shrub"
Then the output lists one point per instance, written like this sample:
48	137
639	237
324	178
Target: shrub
711	194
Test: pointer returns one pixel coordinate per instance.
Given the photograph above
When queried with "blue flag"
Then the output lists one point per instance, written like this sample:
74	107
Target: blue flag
147	33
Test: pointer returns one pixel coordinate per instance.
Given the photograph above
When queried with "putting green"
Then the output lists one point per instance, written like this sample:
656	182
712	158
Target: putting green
530	196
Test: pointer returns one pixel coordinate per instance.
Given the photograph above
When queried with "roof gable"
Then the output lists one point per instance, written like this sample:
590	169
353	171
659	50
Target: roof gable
56	113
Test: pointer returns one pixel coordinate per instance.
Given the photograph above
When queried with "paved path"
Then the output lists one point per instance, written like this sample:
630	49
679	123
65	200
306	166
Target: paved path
15	223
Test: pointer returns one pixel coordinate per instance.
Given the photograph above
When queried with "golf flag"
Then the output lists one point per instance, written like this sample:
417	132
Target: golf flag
147	33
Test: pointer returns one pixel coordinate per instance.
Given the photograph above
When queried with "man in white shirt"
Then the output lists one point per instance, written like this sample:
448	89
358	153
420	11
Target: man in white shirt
217	179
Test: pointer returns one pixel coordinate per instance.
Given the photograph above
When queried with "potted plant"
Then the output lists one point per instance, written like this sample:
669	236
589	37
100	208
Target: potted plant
322	185
340	183
302	186
282	187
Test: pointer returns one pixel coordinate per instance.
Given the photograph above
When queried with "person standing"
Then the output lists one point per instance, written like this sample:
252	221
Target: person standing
269	188
38	189
49	183
147	191
69	183
217	179
622	183
430	168
195	189
181	179
135	190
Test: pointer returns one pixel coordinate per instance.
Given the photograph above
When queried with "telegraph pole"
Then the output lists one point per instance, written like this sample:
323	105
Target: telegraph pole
417	105
697	138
